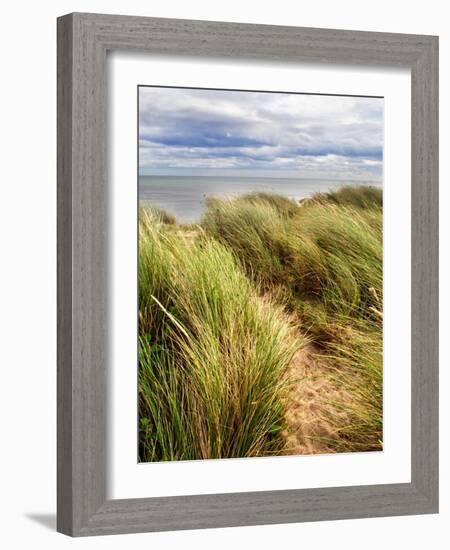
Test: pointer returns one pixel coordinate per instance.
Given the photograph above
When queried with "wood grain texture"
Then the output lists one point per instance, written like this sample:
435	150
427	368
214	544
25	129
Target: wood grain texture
83	197
64	300
424	276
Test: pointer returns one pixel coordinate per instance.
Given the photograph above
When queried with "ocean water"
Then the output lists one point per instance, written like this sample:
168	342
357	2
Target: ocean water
185	196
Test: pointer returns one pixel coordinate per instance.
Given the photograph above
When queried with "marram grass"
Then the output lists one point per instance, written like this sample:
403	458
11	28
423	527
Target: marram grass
324	263
224	307
212	354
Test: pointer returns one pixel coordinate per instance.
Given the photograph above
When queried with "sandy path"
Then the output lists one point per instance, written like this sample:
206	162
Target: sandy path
311	400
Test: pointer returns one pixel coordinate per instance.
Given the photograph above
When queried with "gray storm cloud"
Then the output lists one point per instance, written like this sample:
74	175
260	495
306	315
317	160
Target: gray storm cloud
193	132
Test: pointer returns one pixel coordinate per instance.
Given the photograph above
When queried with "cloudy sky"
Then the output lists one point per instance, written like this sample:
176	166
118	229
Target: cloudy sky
228	133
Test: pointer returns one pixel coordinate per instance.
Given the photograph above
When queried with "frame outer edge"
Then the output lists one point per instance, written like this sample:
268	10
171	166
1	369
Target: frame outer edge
82	269
254	41
425	273
64	274
90	268
82	276
257	508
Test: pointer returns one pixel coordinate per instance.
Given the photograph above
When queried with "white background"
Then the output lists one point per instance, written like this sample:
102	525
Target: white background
28	274
127	479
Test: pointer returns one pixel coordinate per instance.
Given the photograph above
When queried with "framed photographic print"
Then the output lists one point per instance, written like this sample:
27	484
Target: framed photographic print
247	274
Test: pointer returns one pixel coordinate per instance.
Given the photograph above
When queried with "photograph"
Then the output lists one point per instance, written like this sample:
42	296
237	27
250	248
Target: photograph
260	273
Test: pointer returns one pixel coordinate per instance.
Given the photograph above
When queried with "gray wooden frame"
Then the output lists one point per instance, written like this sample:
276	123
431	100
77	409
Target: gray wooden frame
83	40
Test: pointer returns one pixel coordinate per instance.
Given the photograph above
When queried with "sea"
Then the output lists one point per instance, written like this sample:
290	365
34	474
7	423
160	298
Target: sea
185	196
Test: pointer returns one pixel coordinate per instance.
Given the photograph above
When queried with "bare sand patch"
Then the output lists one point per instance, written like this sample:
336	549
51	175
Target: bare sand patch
313	399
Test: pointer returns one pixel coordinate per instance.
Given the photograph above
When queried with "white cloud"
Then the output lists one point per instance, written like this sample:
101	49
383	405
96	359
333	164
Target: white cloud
299	135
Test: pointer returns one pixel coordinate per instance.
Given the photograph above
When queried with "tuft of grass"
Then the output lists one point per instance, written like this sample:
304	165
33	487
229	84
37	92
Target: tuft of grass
326	253
157	214
336	258
364	196
282	204
356	365
255	233
212	353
